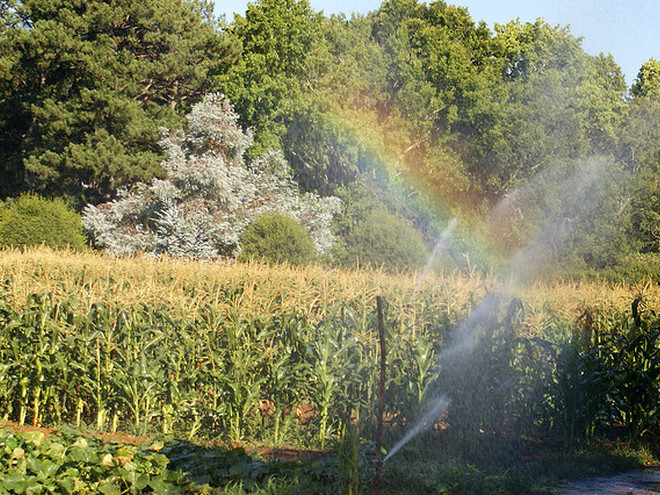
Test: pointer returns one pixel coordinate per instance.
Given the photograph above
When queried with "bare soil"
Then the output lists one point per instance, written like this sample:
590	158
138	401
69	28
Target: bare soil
116	437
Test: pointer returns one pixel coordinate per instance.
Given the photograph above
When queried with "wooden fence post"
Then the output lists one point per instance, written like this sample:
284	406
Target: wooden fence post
381	396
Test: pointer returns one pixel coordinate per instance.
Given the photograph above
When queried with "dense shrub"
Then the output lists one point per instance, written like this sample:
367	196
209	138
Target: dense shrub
382	239
631	269
277	238
31	220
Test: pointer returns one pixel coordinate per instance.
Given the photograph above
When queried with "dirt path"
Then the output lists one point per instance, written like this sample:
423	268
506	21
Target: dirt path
631	483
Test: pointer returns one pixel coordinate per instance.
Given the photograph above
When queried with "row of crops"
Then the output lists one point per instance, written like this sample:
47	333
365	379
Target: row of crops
279	378
221	373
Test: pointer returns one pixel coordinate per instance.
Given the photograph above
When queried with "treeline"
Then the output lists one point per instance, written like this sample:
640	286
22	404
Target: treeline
414	112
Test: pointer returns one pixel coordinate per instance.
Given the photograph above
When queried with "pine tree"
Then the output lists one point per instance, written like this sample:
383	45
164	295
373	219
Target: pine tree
84	87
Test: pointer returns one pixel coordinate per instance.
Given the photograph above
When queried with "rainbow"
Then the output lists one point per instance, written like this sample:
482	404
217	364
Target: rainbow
432	180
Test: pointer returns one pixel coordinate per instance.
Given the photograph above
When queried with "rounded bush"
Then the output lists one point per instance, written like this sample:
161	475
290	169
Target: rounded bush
31	220
277	238
382	239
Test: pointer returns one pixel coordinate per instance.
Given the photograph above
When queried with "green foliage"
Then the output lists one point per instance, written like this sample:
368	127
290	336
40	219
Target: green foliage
438	60
607	374
69	462
215	372
383	239
635	355
648	79
277	37
417	95
31	220
583	382
64	463
218	373
634	268
322	153
277	238
573	217
348	466
604	103
553	103
236	471
591	215
85	87
640	150
494	380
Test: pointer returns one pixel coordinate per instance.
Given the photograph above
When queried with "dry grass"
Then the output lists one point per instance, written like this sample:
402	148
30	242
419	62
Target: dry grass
185	285
263	289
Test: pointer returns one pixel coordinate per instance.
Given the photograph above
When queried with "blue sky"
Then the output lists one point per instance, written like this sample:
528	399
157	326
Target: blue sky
629	30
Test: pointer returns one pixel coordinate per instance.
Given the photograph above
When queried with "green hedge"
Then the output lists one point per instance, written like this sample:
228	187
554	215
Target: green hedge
382	239
31	220
277	238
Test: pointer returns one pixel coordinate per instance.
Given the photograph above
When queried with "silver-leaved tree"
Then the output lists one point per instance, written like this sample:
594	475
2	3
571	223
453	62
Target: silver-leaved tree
209	196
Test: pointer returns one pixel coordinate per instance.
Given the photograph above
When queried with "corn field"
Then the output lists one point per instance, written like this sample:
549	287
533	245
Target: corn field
220	372
252	353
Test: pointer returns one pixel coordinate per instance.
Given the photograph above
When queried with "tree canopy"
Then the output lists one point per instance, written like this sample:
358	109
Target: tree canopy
85	87
433	114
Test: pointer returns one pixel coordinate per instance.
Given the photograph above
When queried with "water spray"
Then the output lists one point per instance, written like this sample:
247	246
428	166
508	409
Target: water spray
440	407
464	339
522	267
439	248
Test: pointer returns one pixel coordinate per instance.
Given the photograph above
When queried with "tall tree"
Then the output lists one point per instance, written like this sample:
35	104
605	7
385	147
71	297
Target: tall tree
209	197
298	73
438	73
85	86
277	37
553	103
648	79
640	151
